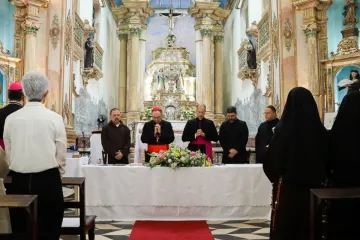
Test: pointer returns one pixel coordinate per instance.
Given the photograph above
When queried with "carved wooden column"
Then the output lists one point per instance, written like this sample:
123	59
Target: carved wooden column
131	17
198	45
123	37
31	25
311	31
133	111
19	16
209	18
218	91
207	82
314	27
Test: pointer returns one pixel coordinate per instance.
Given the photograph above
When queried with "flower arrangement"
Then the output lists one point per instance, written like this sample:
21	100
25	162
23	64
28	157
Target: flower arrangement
177	157
188	112
147	113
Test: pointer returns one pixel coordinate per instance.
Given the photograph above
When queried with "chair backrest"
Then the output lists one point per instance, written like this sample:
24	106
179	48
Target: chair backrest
80	182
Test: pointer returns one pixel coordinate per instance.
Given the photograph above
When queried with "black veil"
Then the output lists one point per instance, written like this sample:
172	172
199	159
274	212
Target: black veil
298	148
345	136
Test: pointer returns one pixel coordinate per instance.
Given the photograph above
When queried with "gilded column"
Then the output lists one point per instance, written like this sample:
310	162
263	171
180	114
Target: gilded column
219	39
123	37
207	82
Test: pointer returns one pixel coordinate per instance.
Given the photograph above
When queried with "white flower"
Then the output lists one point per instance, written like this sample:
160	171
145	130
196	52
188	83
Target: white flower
182	159
169	161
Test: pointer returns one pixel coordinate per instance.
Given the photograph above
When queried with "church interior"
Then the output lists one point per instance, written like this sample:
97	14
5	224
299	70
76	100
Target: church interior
176	54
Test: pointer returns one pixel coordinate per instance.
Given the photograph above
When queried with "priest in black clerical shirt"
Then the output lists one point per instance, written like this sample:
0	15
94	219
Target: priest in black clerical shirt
265	133
200	132
115	139
157	133
233	138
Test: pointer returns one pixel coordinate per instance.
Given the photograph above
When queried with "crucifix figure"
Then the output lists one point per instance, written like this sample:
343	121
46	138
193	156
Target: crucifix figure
171	21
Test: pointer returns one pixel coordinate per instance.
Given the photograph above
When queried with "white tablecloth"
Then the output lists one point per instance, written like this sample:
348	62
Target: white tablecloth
95	148
220	192
73	166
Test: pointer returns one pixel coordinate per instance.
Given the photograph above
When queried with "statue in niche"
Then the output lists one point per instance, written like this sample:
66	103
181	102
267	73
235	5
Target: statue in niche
352	84
251	55
161	80
89	54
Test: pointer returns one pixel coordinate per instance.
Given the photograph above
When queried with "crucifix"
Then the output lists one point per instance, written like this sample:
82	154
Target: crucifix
171	16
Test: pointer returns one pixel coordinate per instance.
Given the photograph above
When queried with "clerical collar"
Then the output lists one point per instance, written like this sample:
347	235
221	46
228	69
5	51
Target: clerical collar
15	102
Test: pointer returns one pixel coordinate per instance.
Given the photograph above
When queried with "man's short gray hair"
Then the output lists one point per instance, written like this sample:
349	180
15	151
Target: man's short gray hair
35	85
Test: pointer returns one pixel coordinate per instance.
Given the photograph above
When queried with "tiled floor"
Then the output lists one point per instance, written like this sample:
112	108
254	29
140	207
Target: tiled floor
221	230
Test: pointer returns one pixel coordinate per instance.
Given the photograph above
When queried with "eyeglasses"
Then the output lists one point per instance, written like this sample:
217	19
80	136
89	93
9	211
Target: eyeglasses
267	113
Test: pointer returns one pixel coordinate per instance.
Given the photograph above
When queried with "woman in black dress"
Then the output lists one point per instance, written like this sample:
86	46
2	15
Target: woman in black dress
344	215
296	163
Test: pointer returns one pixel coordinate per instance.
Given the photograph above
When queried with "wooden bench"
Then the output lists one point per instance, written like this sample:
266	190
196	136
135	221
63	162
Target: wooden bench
29	203
78	225
317	196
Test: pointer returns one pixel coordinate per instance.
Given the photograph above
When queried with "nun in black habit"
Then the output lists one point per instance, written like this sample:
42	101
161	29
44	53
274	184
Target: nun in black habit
296	163
345	167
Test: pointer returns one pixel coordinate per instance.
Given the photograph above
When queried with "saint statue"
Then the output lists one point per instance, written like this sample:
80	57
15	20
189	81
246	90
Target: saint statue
352	84
171	39
161	80
89	55
101	121
251	55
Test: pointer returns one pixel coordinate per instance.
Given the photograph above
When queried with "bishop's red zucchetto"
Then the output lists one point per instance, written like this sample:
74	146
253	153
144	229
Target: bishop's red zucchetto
156	108
15	86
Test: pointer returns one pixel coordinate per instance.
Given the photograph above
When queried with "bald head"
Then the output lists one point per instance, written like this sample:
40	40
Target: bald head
200	112
156	116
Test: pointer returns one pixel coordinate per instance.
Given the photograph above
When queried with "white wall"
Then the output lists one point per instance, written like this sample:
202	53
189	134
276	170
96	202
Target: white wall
104	90
85	10
255	10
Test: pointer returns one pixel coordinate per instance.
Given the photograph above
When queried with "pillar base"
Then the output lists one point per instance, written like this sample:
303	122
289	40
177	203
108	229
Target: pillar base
71	135
219	118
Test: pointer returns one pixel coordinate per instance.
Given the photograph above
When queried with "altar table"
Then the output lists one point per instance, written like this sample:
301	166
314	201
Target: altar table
128	193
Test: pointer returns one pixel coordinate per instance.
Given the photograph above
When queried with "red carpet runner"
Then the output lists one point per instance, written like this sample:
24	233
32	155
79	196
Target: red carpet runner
172	230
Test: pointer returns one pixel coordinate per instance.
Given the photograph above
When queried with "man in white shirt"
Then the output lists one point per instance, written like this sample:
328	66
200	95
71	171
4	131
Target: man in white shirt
35	142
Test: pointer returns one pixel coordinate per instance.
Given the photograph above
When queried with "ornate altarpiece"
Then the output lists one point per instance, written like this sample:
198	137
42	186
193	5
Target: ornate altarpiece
172	83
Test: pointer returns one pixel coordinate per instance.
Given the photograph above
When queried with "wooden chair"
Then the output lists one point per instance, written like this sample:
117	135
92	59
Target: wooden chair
29	202
78	225
318	196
